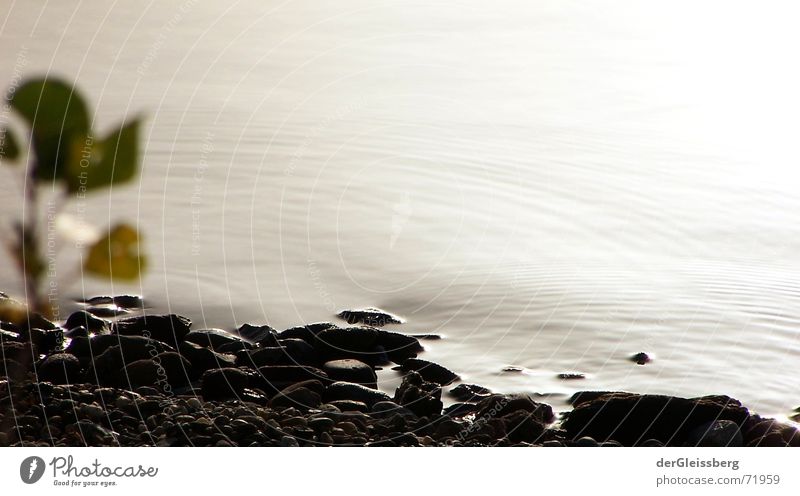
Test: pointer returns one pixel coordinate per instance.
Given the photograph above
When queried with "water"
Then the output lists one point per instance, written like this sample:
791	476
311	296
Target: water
549	185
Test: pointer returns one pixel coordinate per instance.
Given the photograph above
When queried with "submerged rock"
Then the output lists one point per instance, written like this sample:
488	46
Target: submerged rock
630	418
641	358
170	329
93	324
469	392
431	372
369	316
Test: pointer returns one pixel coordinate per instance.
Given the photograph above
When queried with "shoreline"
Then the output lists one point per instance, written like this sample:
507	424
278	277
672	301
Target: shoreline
152	380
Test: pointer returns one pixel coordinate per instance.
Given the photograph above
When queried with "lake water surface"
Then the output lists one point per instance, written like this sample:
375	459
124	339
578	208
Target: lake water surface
550	185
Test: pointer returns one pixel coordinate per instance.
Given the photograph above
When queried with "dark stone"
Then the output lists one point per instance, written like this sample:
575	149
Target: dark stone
629	418
203	359
263	334
522	426
296	397
12	369
24	353
142	373
431	372
460	409
571	376
351	371
61	368
211	338
350	342
716	433
45	340
77	332
369	316
585	396
356	392
350	406
421	397
307	333
124	301
276	378
500	405
84	319
170	329
224	384
235	347
288	352
106	311
388	409
641	358
398	347
586	442
263	357
134	347
470	392
178	370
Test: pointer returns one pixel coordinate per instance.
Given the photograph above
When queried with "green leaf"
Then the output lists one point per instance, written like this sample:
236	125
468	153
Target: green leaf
57	115
9	149
112	160
116	255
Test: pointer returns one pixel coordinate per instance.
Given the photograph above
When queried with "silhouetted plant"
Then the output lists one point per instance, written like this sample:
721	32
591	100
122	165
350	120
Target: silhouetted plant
65	155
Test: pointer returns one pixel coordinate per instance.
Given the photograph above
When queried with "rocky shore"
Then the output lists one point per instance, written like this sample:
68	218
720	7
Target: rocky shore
151	380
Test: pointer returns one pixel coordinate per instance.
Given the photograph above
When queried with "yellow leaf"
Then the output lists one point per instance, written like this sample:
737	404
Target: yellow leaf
116	255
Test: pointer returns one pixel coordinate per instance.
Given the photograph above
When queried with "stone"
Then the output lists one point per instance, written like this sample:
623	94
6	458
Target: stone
370	316
60	368
523	426
298	397
124	301
357	392
571	376
388	409
77	332
586	442
211	338
469	392
140	373
133	347
421	397
170	329
45	340
224	384
261	334
430	372
460	409
276	378
94	325
640	358
716	433
350	370
500	405
398	347
628	418
12	369
350	342
178	370
203	359
349	406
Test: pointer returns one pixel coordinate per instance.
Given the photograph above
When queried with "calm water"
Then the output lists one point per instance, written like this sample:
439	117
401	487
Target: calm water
549	185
